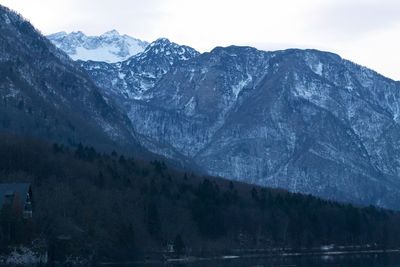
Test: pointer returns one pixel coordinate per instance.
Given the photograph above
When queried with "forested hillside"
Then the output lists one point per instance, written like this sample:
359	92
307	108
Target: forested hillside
113	207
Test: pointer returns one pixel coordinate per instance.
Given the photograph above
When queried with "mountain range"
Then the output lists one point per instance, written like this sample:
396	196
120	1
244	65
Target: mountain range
304	120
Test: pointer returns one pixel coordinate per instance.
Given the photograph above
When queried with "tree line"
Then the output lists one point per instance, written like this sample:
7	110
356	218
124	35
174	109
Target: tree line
111	206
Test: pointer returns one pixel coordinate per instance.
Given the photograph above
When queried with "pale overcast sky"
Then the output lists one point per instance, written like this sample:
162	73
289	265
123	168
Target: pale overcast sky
364	31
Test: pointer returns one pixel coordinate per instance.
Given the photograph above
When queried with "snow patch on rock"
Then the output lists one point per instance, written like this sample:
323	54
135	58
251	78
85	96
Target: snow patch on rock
236	89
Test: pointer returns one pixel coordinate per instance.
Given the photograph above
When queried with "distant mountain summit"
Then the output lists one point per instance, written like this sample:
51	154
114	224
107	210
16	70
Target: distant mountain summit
132	78
109	47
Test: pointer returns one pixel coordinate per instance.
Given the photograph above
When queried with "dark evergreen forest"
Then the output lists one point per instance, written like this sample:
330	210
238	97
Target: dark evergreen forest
110	207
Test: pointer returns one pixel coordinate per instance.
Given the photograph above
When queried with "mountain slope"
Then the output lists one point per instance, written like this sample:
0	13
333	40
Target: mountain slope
304	120
113	208
109	47
330	132
45	94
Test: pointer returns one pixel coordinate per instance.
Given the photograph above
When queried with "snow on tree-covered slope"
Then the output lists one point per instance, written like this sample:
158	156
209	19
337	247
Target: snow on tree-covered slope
303	120
109	47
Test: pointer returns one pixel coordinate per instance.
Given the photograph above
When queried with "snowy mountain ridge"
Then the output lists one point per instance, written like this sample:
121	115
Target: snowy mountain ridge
132	78
304	120
110	47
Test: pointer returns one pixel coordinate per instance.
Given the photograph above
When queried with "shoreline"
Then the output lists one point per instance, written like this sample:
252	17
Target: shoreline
192	259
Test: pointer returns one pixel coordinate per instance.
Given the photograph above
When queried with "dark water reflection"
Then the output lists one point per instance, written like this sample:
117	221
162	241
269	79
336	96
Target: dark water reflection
380	260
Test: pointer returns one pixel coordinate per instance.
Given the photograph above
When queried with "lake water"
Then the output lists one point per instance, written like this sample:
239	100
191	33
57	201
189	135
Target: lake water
373	260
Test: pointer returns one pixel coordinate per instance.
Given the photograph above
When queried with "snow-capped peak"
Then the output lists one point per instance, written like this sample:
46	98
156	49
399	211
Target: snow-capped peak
161	41
110	47
168	49
111	33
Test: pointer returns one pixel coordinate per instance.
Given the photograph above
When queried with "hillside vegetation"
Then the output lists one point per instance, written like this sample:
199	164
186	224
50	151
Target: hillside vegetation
113	207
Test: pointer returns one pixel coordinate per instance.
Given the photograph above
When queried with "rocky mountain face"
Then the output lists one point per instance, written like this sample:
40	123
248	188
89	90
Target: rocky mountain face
43	93
109	47
131	79
304	120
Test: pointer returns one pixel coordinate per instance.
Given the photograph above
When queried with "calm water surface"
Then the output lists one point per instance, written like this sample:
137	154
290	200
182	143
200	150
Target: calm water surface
382	260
